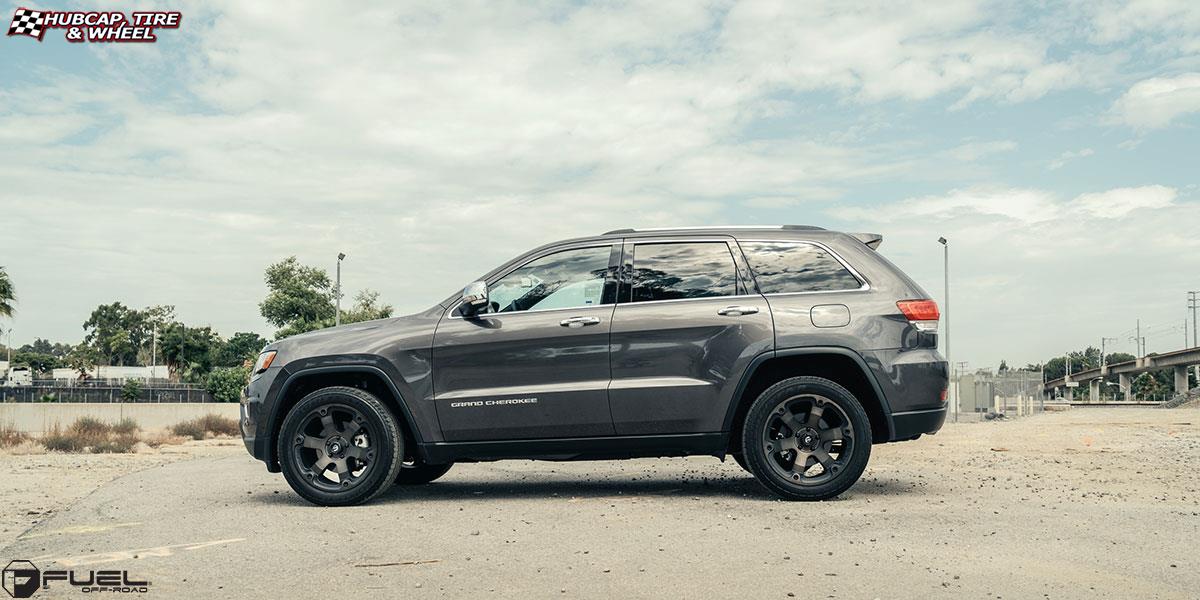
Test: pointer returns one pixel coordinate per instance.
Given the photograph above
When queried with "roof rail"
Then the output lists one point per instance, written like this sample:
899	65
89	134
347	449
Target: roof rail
783	227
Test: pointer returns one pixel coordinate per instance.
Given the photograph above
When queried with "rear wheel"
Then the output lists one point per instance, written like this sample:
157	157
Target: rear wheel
806	438
340	446
416	473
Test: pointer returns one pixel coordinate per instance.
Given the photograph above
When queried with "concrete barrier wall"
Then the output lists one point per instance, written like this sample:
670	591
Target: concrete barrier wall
36	418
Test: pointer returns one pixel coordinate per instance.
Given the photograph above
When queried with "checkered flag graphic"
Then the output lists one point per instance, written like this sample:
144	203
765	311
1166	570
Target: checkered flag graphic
28	22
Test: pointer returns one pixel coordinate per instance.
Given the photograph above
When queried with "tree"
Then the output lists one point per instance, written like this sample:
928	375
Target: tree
116	332
298	297
39	363
8	295
188	351
131	391
1003	366
239	349
226	383
301	299
366	308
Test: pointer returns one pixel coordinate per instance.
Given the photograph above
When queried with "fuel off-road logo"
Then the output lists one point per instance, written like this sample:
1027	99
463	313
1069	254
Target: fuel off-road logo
94	26
22	579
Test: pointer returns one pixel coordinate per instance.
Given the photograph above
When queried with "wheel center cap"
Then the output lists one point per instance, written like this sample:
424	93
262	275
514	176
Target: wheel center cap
335	445
808	438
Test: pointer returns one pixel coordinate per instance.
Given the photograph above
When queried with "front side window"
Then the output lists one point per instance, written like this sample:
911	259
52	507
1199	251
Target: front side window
679	270
564	279
784	267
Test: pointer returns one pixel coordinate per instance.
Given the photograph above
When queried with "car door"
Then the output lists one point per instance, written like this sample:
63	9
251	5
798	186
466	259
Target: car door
535	363
686	326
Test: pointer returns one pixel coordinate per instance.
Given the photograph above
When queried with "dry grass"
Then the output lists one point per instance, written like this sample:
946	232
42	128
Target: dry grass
11	436
200	428
87	434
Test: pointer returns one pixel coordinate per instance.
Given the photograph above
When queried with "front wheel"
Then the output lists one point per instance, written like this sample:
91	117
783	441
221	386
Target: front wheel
806	438
340	446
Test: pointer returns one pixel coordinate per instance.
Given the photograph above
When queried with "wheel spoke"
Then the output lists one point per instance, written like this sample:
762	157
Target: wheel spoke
350	428
357	452
315	443
787	443
323	462
823	457
814	415
342	469
327	424
789	419
831	434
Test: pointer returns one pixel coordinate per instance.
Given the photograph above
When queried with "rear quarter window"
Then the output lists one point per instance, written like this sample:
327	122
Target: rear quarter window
788	267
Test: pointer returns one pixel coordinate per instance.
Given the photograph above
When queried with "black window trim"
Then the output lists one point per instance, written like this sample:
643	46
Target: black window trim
745	287
864	285
614	256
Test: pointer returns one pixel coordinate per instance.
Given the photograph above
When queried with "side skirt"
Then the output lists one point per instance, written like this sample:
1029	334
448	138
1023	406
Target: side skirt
591	448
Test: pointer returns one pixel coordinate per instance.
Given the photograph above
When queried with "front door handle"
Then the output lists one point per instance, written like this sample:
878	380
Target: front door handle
737	311
579	321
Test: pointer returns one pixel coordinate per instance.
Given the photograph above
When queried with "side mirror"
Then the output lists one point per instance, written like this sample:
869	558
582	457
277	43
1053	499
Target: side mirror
474	298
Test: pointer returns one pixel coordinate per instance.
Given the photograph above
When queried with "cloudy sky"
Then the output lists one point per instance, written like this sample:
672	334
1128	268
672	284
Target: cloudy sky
1054	144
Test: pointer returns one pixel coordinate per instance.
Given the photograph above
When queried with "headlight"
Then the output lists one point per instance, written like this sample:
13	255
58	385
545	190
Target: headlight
264	361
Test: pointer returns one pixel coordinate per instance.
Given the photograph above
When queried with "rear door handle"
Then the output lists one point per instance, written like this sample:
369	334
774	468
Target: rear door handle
737	311
579	321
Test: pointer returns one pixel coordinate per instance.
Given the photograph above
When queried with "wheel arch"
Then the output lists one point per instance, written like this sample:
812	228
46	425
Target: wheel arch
842	365
369	378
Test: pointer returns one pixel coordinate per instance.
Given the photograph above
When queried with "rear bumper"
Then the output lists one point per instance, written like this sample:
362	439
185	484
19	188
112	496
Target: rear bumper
912	424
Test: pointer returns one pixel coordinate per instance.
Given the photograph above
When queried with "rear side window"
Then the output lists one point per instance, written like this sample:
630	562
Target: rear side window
783	267
676	271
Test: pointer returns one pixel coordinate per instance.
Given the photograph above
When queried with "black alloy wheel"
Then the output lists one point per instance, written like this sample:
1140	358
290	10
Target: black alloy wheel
806	438
339	446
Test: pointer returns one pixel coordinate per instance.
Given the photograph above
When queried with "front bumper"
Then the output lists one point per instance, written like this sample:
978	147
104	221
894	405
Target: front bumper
253	418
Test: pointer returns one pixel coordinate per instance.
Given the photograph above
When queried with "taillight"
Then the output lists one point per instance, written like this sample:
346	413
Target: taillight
923	314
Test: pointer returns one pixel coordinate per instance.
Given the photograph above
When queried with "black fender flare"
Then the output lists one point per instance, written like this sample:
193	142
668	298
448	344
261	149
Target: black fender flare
757	361
274	419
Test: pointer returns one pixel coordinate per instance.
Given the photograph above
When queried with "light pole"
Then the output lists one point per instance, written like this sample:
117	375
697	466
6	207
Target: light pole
946	316
337	317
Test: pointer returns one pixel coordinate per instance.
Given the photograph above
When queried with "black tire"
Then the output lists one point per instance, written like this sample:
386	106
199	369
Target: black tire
348	430
832	431
417	473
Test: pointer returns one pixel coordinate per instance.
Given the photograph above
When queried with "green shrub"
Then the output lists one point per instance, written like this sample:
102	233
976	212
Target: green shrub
48	398
226	383
131	391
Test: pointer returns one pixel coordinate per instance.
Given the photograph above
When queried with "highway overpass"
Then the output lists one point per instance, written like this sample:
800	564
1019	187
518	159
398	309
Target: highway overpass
1178	361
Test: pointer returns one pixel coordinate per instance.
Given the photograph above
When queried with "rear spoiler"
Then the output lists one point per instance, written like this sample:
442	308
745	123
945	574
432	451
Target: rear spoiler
872	240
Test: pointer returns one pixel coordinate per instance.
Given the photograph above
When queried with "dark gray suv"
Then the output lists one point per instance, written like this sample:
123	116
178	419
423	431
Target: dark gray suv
792	349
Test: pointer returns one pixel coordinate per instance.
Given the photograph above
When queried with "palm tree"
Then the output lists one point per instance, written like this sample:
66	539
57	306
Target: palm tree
7	296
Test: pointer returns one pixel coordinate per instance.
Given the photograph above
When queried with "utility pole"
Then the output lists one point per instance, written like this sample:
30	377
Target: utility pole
1194	303
337	318
946	317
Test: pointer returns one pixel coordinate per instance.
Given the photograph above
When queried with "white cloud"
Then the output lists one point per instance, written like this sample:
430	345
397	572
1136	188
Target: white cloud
972	151
1120	202
1155	102
1069	156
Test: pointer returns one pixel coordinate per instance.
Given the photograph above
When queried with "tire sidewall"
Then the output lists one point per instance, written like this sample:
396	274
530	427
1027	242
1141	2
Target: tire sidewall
388	455
761	410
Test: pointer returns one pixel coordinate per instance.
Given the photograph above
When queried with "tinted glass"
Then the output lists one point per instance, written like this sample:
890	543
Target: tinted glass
561	280
781	267
675	271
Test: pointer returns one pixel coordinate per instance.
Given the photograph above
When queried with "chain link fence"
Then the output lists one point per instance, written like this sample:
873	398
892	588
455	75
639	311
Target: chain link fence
105	392
1010	393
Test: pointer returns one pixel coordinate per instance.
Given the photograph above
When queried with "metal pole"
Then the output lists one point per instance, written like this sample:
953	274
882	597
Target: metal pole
946	320
337	318
1194	304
